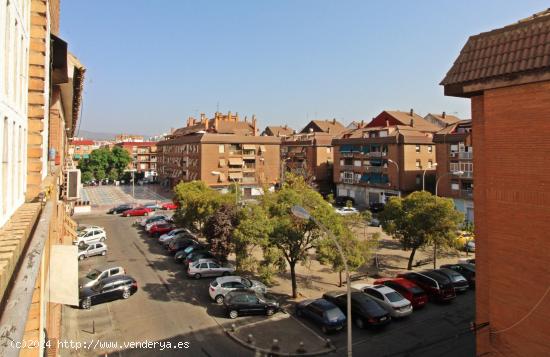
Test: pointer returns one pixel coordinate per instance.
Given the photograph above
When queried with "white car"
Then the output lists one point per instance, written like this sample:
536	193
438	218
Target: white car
146	220
91	250
173	234
208	267
151	224
89	236
221	286
84	227
393	302
344	211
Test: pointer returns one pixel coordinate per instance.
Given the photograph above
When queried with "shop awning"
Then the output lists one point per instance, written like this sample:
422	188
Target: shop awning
235	161
235	175
63	275
249	147
346	148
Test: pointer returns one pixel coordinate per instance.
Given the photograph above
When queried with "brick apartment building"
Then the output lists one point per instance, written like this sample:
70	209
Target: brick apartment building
506	75
310	153
384	158
455	168
82	148
144	157
442	120
40	98
219	151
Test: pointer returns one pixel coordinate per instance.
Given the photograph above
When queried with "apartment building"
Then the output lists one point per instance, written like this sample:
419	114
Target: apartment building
310	153
219	151
40	95
279	131
506	74
80	148
390	156
455	167
144	157
441	120
128	138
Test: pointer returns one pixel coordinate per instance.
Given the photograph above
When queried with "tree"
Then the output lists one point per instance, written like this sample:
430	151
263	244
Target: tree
421	219
104	163
252	231
87	176
219	231
293	236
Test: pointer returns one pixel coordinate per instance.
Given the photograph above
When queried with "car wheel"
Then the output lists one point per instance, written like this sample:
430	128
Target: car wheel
219	299
81	257
324	329
86	303
233	314
359	322
126	294
102	239
226	273
197	276
104	252
270	311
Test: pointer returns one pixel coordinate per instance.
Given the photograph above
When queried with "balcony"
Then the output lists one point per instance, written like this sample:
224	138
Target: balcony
377	154
248	180
375	169
465	155
467	193
467	174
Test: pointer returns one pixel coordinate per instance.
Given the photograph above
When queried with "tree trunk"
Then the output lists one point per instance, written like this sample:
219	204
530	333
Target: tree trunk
411	257
293	279
340	275
435	255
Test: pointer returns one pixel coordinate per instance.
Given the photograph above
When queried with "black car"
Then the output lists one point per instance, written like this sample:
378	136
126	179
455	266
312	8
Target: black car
181	255
376	207
322	312
120	209
238	303
111	288
342	201
437	286
460	283
196	255
364	310
180	244
466	270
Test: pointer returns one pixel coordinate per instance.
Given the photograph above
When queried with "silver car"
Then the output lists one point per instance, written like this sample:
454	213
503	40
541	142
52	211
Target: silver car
393	302
225	284
208	267
96	275
89	250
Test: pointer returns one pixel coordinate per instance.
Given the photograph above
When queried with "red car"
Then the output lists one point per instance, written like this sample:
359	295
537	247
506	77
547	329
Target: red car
169	206
157	230
138	211
408	289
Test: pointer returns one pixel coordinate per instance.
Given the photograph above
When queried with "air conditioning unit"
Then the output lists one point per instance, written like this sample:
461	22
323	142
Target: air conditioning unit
454	154
73	184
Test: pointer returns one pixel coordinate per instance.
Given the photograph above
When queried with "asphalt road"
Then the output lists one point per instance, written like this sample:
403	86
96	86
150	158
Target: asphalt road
170	308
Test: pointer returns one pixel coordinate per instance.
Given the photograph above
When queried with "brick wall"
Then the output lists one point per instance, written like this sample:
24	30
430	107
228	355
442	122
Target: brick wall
512	214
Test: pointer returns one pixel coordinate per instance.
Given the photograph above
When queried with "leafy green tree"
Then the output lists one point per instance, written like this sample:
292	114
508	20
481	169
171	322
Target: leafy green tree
421	219
104	163
99	174
219	231
87	176
252	231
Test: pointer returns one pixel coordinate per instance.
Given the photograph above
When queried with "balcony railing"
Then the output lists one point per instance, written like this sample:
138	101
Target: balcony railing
465	155
375	169
248	180
467	193
467	174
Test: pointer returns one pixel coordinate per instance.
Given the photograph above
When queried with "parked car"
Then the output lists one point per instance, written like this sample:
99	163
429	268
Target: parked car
98	274
152	205
138	211
238	303
175	233
376	207
208	267
181	255
169	206
221	286
467	270
345	211
463	238
389	299
196	255
157	221
364	310
89	250
120	208
437	286
111	288
460	283
375	222
83	227
148	220
470	246
89	236
322	312
180	244
408	289
342	201
159	229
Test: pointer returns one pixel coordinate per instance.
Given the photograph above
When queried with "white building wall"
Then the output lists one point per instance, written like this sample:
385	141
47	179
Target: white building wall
14	66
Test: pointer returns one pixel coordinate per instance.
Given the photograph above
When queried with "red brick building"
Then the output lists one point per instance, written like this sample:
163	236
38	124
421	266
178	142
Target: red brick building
144	157
506	74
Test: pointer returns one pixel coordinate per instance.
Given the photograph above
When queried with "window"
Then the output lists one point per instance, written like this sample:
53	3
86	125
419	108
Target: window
430	148
417	148
454	185
418	179
430	164
453	166
418	165
221	149
454	148
357	163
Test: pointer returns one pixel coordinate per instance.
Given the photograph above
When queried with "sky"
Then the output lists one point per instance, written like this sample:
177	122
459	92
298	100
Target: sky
151	64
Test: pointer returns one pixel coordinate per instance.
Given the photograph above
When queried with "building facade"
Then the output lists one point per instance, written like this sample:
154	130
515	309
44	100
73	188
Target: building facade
455	167
40	95
506	75
390	156
128	138
82	148
220	151
309	153
144	157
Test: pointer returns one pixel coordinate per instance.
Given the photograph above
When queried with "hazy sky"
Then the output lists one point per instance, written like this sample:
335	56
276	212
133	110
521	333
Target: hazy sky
151	64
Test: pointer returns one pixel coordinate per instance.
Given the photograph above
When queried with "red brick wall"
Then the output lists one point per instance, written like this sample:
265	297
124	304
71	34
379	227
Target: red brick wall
512	198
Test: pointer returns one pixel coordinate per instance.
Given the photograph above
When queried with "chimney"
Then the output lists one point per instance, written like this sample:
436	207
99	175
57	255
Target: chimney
362	124
443	115
254	128
203	116
333	120
411	112
412	122
229	116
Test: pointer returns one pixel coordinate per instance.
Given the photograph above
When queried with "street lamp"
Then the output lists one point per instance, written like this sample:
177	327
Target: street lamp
397	166
424	176
300	212
133	183
217	173
455	173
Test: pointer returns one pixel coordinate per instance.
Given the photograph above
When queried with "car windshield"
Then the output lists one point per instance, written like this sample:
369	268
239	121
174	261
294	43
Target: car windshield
394	296
83	247
334	314
246	282
93	274
82	233
415	290
189	249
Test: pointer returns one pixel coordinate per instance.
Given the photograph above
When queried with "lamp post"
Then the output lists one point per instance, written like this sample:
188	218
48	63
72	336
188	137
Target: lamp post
217	173
455	173
300	212
133	170
424	176
397	166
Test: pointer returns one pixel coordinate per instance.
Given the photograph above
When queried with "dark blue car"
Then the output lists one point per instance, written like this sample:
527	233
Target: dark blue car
323	313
